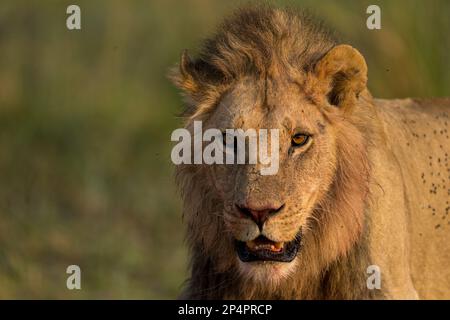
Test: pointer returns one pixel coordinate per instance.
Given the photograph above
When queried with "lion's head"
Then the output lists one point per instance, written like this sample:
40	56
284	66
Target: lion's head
265	69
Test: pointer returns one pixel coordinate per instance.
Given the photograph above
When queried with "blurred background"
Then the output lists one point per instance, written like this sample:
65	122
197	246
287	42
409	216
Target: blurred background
85	124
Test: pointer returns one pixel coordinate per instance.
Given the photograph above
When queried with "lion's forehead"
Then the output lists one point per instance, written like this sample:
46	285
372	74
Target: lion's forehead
248	107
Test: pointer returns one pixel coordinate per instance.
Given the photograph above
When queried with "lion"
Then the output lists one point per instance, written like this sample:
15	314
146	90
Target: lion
363	183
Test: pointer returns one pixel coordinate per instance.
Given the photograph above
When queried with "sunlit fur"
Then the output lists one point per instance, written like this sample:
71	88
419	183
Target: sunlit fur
274	52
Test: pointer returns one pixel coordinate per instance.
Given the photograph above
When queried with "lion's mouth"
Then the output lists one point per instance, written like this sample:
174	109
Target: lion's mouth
264	249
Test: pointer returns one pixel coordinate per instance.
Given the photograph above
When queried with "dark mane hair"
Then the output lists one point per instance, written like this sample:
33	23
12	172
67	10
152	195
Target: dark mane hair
253	39
256	41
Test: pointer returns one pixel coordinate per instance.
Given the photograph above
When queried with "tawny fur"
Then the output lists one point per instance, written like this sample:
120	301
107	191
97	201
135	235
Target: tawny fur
278	55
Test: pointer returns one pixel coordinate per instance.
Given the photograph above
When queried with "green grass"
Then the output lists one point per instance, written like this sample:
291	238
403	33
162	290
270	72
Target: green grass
85	123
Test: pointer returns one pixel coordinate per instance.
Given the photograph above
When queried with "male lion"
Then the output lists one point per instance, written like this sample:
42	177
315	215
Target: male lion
361	181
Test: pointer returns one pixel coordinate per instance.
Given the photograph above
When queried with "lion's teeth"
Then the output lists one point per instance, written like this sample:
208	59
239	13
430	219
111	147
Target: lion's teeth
278	245
275	246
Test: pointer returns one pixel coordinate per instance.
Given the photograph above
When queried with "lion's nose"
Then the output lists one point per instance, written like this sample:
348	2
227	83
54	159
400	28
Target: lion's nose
259	214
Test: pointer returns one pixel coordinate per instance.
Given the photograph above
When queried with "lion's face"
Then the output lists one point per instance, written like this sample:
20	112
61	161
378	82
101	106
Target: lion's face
311	210
267	215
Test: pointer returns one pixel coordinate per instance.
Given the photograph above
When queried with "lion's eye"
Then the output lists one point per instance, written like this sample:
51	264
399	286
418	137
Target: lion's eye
299	139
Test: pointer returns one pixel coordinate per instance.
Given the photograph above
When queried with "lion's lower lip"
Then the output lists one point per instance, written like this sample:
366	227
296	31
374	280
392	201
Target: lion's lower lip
262	249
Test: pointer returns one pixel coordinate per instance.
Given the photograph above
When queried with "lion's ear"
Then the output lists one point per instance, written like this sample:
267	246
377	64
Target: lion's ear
193	76
343	73
184	75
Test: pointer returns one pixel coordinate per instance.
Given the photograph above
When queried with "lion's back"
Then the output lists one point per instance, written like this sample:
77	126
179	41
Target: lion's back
418	133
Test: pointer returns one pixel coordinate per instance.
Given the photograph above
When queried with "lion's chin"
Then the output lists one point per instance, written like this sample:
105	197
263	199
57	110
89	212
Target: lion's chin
267	272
